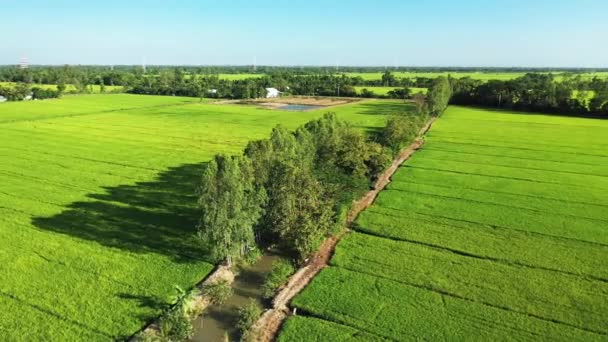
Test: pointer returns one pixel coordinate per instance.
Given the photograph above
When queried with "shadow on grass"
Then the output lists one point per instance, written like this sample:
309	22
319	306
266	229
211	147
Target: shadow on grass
146	302
158	216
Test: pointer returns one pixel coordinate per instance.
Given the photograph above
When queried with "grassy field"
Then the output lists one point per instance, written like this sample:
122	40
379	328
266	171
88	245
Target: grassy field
495	230
98	208
483	76
70	88
383	91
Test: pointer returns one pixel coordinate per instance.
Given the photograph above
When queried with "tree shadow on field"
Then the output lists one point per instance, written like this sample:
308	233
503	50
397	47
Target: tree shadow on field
158	216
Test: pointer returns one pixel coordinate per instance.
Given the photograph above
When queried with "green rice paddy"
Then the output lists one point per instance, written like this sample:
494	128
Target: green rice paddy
98	205
497	229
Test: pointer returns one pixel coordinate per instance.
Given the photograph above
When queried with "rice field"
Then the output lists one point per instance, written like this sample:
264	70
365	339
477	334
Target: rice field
98	205
497	229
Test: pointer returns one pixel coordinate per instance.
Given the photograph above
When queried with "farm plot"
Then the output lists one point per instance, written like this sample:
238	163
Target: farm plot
98	205
496	230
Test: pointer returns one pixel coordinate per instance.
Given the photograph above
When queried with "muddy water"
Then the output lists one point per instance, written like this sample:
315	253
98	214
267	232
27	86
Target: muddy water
217	321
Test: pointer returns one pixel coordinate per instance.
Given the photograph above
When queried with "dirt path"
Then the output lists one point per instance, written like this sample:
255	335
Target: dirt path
267	327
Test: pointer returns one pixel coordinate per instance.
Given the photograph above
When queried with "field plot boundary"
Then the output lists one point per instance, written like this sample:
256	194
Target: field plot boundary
268	325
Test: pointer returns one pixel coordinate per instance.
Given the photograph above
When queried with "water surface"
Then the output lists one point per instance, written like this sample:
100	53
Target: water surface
299	107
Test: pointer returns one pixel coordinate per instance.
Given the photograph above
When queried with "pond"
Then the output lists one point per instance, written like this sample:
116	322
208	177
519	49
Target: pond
299	107
218	321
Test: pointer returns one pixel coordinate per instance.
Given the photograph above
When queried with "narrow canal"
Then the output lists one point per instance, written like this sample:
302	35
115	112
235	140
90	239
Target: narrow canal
218	322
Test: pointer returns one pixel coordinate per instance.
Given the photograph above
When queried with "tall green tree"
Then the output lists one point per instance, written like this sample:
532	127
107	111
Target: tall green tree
297	211
439	95
230	205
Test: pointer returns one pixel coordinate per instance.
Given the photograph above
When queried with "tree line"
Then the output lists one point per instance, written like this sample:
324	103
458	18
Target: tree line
536	93
294	188
23	91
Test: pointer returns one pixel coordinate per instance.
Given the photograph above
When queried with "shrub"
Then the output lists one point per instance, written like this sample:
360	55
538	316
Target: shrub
281	270
399	130
218	292
367	93
248	314
176	323
41	94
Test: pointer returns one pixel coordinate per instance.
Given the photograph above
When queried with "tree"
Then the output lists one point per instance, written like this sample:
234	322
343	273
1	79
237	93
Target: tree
419	100
102	86
230	205
400	93
399	130
599	103
439	95
366	93
388	80
297	211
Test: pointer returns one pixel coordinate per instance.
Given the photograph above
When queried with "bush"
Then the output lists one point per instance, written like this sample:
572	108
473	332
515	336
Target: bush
248	314
281	270
176	323
399	130
41	94
366	93
218	292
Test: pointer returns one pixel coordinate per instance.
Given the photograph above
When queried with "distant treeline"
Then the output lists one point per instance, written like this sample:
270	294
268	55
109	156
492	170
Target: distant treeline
179	84
22	91
536	93
292	189
50	74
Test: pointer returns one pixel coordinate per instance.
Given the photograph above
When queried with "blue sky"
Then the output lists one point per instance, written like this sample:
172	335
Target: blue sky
533	33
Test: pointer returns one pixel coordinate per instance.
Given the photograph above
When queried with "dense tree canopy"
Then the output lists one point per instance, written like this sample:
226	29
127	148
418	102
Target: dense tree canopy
231	205
292	189
536	92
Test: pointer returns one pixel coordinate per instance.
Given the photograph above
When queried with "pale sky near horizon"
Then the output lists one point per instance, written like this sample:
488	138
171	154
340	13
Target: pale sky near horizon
532	33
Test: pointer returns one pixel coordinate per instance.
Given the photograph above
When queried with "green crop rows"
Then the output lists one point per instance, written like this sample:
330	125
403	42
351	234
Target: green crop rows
496	230
98	205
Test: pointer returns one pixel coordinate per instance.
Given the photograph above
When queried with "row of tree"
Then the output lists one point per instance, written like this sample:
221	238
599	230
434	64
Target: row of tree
294	188
22	91
537	93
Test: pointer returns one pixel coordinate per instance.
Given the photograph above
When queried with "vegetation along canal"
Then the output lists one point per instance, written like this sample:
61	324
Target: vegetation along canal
219	321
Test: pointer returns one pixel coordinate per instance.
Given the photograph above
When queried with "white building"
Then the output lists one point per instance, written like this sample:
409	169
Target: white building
3	99
272	93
